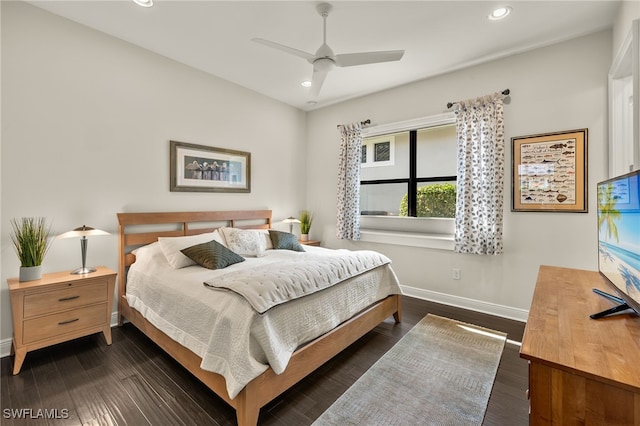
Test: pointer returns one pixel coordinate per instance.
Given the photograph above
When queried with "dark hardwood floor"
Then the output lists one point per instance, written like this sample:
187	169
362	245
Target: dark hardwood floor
133	382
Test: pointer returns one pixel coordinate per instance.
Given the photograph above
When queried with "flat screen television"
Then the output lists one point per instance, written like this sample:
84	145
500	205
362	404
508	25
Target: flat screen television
619	240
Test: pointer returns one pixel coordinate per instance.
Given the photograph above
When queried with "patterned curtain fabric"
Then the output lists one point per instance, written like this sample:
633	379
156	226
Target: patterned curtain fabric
479	201
348	223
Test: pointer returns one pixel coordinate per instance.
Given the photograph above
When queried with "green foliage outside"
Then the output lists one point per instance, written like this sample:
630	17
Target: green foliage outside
438	200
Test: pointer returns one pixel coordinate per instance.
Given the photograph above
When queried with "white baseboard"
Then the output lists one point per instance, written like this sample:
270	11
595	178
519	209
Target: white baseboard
433	296
114	319
5	348
5	345
471	304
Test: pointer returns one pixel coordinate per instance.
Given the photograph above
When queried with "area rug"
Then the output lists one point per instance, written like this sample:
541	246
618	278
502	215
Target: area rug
440	373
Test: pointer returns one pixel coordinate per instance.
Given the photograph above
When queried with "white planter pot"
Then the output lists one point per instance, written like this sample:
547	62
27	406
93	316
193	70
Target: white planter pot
30	273
304	237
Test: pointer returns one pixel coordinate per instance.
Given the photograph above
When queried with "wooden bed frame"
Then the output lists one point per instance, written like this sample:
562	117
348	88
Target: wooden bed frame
136	229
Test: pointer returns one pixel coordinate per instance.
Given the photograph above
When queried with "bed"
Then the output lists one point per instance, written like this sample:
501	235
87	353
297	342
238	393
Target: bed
274	369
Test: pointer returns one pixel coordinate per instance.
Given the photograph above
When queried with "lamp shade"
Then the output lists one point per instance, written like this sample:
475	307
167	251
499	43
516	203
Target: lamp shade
83	232
291	219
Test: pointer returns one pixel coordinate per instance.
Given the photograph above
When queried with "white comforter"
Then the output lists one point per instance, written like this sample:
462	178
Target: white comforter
221	327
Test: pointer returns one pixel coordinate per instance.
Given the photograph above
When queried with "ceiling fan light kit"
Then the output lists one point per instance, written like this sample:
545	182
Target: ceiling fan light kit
325	60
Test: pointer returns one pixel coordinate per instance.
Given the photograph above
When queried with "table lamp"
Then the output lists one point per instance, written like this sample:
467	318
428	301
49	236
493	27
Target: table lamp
83	232
291	220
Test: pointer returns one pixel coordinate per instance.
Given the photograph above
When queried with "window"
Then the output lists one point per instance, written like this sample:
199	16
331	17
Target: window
419	181
378	151
382	151
393	197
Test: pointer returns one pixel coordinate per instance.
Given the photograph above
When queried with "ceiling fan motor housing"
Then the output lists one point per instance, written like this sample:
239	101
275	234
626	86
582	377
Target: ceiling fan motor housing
323	64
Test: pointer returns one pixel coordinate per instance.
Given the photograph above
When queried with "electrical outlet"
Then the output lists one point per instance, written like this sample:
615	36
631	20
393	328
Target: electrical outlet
456	273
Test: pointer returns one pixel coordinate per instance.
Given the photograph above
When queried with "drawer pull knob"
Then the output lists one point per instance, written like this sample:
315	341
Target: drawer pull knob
64	299
68	321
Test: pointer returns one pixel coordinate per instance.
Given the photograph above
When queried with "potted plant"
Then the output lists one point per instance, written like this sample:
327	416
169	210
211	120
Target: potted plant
31	241
306	219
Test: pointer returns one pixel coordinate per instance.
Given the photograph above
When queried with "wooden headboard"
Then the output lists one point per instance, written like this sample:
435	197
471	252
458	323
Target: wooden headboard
138	229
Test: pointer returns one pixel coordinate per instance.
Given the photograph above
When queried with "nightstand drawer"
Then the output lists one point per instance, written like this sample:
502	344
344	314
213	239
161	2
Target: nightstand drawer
65	322
64	298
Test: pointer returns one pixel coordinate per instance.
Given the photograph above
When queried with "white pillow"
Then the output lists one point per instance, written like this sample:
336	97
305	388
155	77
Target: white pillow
148	251
149	254
267	238
246	242
171	247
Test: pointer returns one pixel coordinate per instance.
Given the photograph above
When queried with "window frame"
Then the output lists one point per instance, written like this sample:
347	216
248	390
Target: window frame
413	124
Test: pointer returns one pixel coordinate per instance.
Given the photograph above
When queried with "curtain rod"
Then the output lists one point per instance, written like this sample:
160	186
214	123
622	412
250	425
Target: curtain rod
362	123
504	92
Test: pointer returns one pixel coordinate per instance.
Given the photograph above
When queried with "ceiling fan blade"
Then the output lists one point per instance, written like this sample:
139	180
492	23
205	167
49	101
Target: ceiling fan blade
299	53
363	58
316	82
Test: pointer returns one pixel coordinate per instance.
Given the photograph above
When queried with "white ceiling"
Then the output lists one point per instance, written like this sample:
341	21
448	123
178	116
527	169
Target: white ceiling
437	36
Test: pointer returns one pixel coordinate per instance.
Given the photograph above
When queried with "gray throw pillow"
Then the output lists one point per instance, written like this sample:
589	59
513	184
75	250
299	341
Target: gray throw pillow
212	255
284	241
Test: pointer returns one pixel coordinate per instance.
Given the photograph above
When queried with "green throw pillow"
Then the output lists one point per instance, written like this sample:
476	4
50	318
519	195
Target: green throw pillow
212	255
284	241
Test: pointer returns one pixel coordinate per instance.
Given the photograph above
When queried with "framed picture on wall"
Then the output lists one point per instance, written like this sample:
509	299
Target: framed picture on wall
201	168
549	172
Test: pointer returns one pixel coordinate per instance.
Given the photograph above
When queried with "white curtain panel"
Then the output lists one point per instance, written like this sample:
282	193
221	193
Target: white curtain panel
479	201
348	217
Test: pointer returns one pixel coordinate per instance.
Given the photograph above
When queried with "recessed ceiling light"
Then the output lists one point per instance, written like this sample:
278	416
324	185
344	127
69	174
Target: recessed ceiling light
311	102
306	83
144	3
500	13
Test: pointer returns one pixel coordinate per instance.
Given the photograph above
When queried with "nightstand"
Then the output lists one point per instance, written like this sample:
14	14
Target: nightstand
59	307
310	243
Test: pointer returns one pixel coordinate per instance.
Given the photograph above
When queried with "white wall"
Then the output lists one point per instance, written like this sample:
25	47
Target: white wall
87	120
561	87
628	11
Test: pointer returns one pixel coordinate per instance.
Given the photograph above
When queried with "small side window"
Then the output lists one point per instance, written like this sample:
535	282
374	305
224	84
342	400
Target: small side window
382	151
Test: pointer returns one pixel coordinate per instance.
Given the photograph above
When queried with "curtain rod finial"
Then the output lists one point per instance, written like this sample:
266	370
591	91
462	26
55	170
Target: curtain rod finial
505	92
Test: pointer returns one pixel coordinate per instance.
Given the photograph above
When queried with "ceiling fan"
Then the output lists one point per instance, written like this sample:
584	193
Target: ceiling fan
325	60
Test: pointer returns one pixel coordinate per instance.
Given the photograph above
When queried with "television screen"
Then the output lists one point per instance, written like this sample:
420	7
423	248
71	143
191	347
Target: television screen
619	235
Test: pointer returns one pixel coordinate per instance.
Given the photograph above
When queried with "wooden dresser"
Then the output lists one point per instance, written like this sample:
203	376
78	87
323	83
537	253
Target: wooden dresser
581	371
59	307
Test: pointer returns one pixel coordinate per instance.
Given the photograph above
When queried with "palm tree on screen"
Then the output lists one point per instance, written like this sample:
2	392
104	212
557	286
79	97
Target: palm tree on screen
608	214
